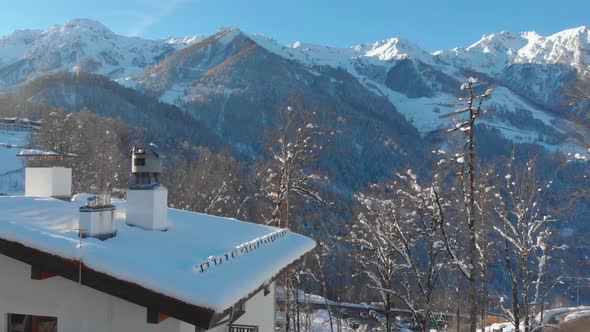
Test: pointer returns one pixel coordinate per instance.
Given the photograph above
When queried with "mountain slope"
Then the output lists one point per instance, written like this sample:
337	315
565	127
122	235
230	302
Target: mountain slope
73	91
236	87
80	45
211	77
15	46
424	86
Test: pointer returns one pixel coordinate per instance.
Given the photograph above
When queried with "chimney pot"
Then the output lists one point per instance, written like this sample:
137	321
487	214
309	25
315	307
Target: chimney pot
97	218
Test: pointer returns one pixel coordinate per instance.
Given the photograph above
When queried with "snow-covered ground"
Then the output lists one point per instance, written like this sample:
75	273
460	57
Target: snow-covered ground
577	315
321	323
11	166
551	317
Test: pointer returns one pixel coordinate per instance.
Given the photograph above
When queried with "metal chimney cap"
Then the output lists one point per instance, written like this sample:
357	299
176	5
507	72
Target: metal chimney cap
156	150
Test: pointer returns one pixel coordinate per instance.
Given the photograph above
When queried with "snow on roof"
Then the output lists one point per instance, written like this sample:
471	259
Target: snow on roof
42	153
165	262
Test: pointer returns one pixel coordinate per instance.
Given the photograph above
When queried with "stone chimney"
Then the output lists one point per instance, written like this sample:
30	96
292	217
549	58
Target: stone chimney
147	199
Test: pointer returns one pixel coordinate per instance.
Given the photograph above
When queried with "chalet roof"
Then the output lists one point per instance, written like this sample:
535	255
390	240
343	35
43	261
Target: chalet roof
241	256
42	154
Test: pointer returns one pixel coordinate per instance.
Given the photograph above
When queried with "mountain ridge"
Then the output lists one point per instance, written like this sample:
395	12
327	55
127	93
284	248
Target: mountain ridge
385	49
531	72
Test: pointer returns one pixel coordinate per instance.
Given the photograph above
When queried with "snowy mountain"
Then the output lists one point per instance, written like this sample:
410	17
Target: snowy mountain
530	73
422	86
15	46
81	45
492	54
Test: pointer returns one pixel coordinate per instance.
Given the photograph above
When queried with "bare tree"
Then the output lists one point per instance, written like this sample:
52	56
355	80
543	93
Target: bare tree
321	254
293	150
473	110
101	144
207	182
324	288
525	237
402	250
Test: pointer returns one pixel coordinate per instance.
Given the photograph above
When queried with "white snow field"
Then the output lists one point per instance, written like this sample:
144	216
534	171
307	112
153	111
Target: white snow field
166	262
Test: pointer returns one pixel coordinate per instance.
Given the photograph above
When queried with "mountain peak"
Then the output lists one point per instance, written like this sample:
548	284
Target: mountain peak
79	28
575	35
184	41
531	35
85	23
228	30
574	31
227	34
392	48
498	42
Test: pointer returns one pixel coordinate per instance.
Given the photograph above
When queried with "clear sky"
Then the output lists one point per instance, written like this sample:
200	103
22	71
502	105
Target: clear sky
432	24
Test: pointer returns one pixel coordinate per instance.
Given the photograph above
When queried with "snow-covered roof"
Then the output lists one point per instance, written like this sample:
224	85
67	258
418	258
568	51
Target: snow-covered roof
164	262
45	154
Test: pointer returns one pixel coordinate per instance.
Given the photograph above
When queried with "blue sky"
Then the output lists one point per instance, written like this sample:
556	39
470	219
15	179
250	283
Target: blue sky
432	24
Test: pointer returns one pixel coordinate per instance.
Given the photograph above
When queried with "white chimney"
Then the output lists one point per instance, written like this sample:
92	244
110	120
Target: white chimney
48	181
43	178
97	218
147	199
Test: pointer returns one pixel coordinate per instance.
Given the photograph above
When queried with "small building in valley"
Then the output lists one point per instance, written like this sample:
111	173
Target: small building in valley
78	264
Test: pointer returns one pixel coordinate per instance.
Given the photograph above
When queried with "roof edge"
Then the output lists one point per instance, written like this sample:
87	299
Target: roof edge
131	292
218	317
51	264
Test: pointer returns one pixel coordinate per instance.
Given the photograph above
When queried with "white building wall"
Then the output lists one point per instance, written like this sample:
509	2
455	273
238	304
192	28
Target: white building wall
83	309
260	311
77	308
48	181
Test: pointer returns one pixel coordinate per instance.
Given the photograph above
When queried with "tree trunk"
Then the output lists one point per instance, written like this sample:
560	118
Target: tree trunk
297	309
458	313
287	294
484	296
387	312
515	309
471	223
325	292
